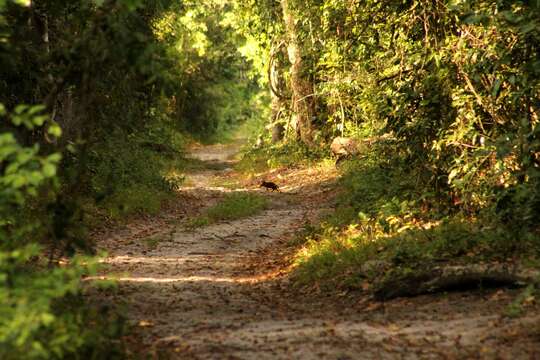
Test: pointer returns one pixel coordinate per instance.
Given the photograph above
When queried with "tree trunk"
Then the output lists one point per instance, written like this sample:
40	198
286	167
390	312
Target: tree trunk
275	108
301	86
279	100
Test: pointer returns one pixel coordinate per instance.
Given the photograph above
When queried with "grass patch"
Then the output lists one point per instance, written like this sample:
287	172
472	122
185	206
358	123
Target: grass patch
233	206
198	222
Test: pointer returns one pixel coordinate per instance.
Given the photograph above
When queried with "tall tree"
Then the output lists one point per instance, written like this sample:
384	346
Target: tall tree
302	88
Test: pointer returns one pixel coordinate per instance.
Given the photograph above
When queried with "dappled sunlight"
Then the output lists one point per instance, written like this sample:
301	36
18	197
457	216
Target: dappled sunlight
188	279
217	188
305	175
166	261
159	280
210	267
224	153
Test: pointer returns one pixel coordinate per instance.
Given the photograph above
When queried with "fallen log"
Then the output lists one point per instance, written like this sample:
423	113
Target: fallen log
452	278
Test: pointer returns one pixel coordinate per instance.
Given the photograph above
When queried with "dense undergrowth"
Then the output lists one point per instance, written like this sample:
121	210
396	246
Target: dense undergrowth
43	312
385	227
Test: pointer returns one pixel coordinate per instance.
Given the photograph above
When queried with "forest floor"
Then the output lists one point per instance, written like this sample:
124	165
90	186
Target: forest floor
223	291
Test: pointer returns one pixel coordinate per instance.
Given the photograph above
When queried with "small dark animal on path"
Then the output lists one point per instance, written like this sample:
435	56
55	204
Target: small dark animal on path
268	185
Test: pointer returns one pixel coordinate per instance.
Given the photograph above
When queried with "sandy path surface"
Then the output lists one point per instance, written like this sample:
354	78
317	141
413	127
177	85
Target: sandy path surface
220	292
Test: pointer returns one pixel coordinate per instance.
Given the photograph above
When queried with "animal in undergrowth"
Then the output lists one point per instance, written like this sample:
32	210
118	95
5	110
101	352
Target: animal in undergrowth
268	185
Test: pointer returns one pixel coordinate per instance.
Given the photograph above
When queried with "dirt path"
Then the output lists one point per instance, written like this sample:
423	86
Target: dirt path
221	291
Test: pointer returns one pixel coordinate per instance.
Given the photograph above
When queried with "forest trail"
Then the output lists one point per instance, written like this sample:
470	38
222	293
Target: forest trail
222	291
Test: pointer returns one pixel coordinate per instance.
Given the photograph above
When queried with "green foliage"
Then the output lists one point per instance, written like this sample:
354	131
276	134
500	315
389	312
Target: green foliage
42	313
234	206
212	95
122	80
455	82
259	23
384	227
24	173
135	199
134	175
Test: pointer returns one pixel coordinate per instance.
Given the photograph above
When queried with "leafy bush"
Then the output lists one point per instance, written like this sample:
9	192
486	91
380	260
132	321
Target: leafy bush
455	82
129	177
42	312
